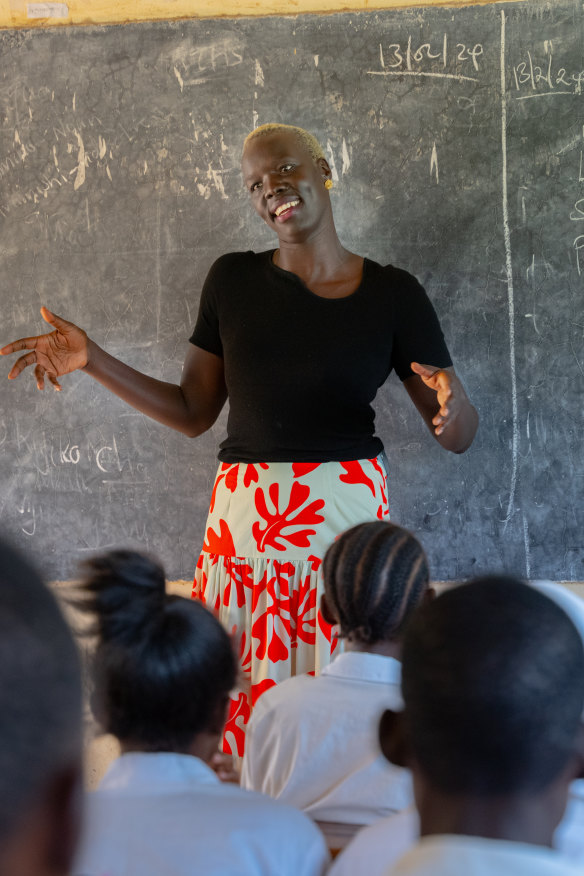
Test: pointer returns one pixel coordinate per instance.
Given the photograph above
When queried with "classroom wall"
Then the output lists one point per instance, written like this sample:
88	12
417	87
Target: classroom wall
22	13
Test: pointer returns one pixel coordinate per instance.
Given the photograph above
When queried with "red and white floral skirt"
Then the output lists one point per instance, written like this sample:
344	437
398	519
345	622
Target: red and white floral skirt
268	529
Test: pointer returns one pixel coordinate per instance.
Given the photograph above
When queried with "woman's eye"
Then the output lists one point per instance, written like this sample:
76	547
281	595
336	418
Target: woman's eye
255	187
286	168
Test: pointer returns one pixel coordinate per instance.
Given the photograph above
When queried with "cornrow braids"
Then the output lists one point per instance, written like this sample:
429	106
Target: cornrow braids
374	576
308	140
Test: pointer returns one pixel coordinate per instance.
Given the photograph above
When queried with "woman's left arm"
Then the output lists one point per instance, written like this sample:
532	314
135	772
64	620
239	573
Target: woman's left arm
444	406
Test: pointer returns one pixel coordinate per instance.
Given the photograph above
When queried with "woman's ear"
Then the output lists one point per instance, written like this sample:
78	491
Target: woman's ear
392	738
324	166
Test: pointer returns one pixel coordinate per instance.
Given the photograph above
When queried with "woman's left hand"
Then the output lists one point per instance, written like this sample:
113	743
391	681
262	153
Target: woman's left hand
439	396
449	392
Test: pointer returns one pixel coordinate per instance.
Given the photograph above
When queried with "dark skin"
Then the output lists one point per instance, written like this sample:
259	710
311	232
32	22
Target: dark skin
385	647
45	839
522	818
205	746
278	171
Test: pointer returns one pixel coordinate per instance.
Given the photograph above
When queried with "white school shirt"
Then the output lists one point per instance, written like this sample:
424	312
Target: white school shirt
379	846
162	814
313	742
569	835
448	855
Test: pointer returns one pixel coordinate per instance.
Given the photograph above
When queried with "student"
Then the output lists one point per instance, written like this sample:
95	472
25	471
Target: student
569	837
40	727
313	742
164	669
386	841
491	729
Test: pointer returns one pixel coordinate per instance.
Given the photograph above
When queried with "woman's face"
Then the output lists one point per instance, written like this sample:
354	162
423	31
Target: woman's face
286	185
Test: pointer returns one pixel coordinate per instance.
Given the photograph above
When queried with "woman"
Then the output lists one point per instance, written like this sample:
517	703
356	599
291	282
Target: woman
314	742
164	667
300	338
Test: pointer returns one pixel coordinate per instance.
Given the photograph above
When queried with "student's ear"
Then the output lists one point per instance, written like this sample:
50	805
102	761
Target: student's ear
392	738
429	596
97	708
326	612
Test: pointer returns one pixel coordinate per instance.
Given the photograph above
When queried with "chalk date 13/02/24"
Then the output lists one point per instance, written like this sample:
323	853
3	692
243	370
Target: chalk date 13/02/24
439	57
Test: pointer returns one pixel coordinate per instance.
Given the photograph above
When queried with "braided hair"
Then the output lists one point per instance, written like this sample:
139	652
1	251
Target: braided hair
374	576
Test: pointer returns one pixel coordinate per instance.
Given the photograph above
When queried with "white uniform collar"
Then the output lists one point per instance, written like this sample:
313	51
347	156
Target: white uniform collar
363	666
162	772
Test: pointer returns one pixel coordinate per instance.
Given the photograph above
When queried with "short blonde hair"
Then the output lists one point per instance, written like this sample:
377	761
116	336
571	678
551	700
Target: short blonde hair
308	140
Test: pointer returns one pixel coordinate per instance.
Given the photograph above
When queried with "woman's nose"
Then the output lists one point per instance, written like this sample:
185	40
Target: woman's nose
273	184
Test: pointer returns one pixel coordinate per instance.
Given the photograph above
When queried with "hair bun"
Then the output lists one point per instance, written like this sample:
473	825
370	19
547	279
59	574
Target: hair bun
126	591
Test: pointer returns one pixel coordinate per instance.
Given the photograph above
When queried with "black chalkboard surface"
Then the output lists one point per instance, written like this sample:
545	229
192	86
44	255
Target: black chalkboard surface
456	142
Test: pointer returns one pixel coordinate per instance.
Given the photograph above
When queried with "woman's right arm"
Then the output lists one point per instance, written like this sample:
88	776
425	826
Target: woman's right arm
191	407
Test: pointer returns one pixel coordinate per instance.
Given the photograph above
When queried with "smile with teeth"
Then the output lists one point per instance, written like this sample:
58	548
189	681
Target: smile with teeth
283	207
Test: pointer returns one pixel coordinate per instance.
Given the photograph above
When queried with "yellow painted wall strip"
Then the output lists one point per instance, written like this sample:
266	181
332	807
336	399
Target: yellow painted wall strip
20	13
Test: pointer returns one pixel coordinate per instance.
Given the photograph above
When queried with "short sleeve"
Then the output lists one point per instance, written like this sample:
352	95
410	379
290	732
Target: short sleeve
418	336
206	333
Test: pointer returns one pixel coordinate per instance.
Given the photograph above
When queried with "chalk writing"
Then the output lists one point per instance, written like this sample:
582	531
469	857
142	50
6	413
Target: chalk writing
28	512
577	215
443	59
194	64
540	77
15	157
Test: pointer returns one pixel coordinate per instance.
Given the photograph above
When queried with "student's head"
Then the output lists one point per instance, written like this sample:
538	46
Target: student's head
288	178
375	574
40	726
164	665
492	685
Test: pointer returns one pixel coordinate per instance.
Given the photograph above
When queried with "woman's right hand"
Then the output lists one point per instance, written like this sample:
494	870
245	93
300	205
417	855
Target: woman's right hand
64	350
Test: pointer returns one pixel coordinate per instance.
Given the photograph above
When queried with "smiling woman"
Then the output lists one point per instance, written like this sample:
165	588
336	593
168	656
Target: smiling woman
299	338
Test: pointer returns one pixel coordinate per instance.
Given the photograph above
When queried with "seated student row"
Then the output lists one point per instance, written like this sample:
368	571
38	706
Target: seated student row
152	779
312	742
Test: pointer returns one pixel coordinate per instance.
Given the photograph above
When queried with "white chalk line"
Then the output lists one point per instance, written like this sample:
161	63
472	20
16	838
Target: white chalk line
510	297
526	545
543	94
457	76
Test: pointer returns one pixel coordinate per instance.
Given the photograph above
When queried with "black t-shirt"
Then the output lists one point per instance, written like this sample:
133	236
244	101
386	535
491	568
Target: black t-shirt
302	370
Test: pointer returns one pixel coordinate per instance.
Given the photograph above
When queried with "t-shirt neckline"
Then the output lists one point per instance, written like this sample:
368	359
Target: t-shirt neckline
295	278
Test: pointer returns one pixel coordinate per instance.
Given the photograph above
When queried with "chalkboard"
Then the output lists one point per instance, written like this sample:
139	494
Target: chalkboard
456	142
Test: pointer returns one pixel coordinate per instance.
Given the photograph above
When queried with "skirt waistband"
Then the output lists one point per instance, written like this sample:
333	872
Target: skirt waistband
291	511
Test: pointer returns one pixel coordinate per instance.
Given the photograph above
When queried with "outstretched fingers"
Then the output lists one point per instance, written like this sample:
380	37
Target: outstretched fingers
39	376
53	379
22	363
56	321
440	381
21	344
425	371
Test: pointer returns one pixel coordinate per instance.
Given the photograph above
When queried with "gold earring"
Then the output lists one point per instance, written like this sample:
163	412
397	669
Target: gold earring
328	184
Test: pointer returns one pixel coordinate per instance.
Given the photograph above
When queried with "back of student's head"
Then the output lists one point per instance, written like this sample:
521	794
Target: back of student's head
374	576
40	724
164	665
492	684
